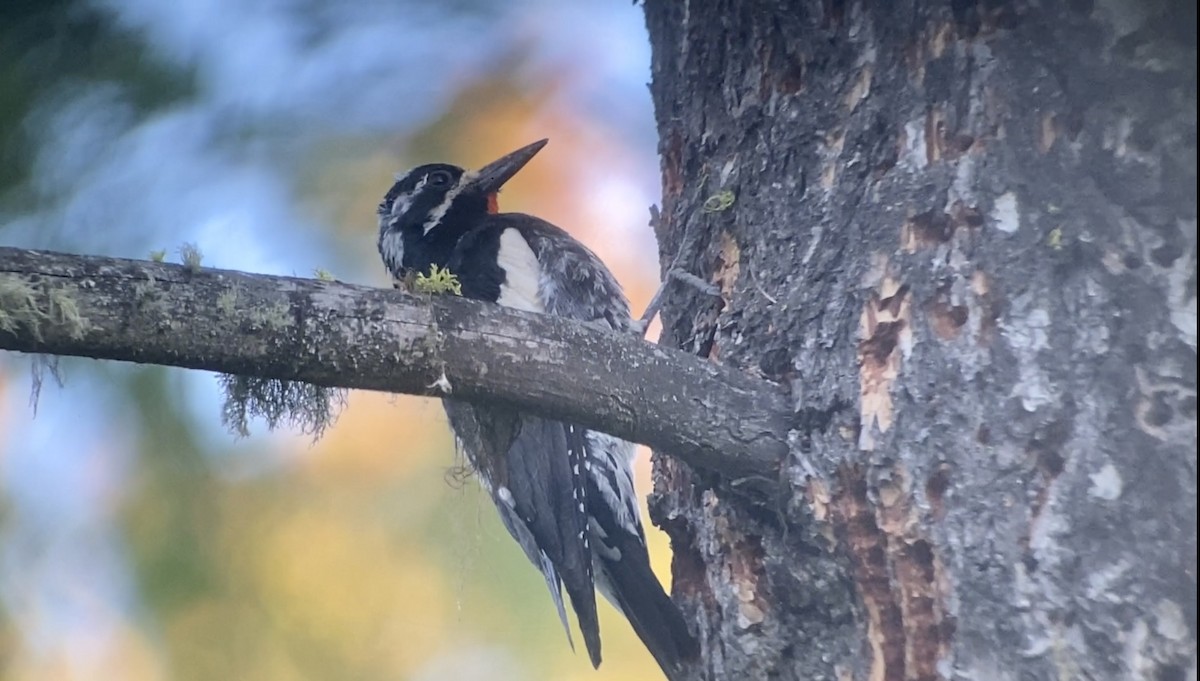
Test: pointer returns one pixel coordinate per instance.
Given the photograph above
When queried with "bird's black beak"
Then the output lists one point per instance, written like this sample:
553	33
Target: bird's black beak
492	176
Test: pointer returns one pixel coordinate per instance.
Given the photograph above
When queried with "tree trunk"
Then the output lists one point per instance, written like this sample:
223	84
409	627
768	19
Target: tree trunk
964	235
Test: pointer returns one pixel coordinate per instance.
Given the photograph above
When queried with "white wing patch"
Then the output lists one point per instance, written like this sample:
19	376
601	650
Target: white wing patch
521	272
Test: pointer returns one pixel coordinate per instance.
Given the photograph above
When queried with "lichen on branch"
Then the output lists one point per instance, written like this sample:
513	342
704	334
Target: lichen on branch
304	406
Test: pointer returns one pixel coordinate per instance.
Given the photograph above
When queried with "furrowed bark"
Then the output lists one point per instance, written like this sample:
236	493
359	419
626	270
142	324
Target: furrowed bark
964	234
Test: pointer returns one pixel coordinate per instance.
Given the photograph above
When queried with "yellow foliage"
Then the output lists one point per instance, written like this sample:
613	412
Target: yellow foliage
348	587
381	439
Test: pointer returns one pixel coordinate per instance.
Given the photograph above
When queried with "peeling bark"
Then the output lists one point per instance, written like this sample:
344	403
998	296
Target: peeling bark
964	235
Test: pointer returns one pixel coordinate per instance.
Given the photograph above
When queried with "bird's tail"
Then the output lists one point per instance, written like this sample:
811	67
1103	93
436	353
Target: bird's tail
584	604
630	585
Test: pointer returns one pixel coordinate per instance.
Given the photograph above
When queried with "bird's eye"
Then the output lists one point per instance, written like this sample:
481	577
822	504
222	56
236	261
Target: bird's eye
440	178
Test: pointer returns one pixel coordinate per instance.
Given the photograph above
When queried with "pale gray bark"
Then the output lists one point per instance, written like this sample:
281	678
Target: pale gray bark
338	335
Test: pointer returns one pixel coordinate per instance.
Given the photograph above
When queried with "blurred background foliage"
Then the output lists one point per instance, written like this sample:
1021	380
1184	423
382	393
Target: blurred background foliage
139	539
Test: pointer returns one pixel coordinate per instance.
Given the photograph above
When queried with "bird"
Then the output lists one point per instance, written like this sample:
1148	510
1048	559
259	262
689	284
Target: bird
563	492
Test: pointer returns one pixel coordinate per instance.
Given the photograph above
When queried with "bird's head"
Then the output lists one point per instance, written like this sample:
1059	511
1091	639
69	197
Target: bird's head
430	207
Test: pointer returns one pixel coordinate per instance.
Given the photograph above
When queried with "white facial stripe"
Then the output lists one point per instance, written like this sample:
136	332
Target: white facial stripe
402	203
440	212
399	207
521	273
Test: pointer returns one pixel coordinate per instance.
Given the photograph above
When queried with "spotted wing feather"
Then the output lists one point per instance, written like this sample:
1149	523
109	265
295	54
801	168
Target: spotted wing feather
519	459
571	282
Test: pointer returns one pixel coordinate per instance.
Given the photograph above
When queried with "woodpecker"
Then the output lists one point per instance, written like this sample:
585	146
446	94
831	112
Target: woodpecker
563	492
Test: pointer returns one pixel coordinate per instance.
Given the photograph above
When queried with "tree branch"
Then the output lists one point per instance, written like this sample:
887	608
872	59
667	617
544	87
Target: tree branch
340	335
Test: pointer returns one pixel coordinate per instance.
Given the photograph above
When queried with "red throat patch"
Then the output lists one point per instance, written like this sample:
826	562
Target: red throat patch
493	203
